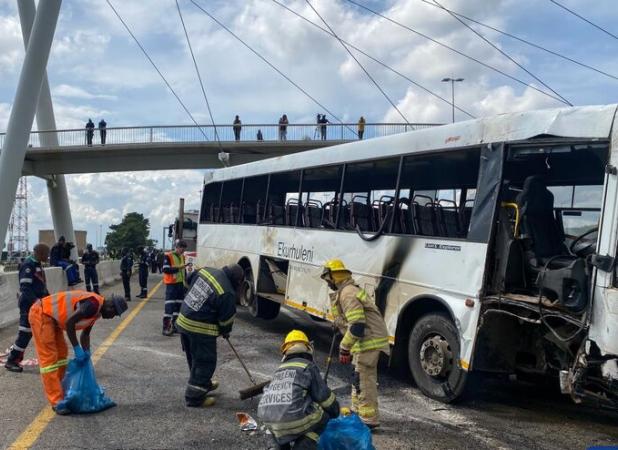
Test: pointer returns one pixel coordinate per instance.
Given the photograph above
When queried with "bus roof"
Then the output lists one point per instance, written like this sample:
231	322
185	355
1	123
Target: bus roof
586	122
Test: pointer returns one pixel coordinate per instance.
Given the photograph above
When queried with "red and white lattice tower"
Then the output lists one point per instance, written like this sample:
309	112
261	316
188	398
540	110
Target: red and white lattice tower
18	226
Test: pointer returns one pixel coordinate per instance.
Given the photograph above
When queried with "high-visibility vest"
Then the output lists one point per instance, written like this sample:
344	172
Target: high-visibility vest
175	260
61	305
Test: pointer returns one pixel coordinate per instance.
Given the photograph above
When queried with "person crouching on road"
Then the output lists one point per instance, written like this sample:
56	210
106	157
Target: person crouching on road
66	311
207	312
174	280
32	286
297	404
365	336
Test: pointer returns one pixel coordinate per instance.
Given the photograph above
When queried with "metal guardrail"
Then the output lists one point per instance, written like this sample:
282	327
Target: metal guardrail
206	133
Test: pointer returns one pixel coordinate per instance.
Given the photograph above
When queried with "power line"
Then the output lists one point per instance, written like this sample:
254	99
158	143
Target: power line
386	66
358	62
156	68
524	41
259	55
584	19
199	76
471	58
502	52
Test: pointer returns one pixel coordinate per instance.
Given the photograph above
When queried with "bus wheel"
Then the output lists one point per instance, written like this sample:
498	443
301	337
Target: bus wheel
247	295
433	357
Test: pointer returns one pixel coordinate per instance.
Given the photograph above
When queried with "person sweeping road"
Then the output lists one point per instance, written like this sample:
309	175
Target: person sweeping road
207	312
297	404
68	312
365	336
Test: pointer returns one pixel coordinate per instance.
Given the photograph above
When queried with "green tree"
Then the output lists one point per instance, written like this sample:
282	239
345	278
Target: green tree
132	233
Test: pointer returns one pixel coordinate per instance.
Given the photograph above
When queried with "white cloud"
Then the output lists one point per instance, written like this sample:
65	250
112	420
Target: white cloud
65	90
11	44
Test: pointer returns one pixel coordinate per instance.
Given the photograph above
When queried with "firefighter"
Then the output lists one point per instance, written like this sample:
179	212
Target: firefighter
174	279
144	261
66	311
207	312
364	337
32	287
126	269
297	403
90	259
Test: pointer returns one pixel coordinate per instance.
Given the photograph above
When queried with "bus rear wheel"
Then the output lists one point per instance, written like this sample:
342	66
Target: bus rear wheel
433	357
257	306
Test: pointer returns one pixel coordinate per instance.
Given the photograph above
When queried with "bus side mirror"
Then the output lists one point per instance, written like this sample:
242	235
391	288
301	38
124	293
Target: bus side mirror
604	263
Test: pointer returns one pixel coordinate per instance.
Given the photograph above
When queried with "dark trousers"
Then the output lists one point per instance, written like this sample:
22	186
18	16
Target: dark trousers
24	333
126	283
92	279
360	133
323	132
143	279
307	441
71	271
103	136
201	353
174	295
237	134
89	135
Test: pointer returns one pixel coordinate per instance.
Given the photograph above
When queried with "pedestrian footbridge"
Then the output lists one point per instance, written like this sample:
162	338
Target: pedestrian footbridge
184	147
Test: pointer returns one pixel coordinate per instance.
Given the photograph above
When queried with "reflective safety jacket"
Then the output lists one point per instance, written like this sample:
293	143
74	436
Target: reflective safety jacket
32	283
297	400
173	272
209	307
60	306
365	326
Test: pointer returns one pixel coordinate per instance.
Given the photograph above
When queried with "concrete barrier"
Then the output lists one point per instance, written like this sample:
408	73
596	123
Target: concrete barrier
109	272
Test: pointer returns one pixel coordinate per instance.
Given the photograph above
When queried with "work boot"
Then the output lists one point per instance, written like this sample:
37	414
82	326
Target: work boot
13	366
208	401
167	331
128	299
174	329
214	384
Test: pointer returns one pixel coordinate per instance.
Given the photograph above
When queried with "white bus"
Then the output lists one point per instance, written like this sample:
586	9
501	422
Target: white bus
487	244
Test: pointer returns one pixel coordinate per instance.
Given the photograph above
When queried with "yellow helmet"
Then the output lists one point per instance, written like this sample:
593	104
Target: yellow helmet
333	265
294	337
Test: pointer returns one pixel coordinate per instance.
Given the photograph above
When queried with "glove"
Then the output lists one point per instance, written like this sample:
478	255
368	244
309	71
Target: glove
225	336
80	354
344	356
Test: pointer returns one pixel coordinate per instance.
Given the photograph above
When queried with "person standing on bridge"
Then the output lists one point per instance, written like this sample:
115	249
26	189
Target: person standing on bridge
174	280
66	311
89	132
361	127
103	130
365	336
259	135
207	312
323	121
237	127
144	261
32	287
90	259
283	128
126	269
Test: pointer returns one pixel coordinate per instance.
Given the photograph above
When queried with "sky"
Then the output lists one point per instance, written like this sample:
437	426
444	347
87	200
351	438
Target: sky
97	71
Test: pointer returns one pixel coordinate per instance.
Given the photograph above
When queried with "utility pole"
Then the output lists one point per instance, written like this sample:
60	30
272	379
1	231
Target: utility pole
18	226
24	106
452	81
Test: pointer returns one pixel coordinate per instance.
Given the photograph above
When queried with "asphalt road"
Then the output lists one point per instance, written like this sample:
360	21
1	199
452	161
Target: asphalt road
145	373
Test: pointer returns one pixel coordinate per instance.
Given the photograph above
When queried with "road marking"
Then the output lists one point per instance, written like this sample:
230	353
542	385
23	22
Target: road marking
30	435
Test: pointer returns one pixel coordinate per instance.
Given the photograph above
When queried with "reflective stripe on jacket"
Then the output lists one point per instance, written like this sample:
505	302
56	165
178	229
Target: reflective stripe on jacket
173	261
296	400
209	307
353	305
61	305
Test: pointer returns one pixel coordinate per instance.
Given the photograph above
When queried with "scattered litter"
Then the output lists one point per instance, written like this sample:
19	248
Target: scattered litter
30	362
247	423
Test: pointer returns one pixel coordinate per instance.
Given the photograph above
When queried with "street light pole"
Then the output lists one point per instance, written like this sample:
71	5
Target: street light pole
452	81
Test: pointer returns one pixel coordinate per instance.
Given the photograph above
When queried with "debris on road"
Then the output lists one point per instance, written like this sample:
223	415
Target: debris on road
246	422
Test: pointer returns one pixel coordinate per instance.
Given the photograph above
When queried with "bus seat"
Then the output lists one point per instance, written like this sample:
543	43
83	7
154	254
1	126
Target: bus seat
313	213
275	214
248	213
234	213
425	216
404	216
292	210
227	214
361	214
558	275
448	219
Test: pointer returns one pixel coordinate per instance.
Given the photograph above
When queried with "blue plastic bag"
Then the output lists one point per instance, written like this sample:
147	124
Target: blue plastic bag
346	433
82	394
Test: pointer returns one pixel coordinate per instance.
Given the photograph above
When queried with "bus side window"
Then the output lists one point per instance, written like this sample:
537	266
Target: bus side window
210	202
282	204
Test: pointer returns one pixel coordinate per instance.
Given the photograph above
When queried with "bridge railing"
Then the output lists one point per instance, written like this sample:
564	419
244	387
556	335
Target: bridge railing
206	133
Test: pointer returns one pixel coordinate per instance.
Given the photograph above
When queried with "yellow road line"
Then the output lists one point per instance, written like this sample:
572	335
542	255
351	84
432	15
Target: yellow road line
30	435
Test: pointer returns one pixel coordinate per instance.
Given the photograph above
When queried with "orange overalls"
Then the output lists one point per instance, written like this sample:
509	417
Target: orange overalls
48	319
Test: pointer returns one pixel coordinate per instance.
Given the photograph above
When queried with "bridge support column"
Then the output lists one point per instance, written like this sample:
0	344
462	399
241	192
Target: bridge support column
24	106
56	187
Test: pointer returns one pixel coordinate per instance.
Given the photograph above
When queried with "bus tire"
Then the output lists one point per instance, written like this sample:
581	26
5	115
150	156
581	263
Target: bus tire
433	358
247	295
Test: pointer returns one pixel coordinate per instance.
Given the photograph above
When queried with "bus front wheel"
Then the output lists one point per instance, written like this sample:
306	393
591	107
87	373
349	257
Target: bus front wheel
433	357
